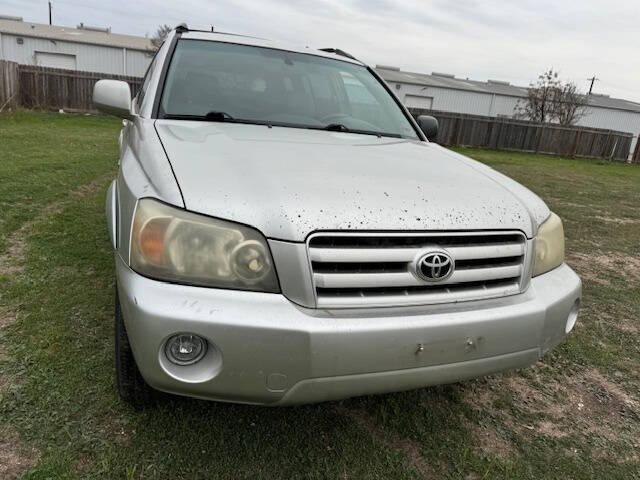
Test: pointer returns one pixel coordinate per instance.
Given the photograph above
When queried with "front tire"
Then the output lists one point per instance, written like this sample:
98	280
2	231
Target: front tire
132	388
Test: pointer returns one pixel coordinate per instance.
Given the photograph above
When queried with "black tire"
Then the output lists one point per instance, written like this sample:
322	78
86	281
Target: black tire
131	386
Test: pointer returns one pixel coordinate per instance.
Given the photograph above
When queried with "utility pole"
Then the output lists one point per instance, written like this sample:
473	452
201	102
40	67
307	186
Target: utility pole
593	79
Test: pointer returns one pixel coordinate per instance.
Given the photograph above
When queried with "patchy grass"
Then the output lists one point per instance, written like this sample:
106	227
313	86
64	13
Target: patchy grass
574	415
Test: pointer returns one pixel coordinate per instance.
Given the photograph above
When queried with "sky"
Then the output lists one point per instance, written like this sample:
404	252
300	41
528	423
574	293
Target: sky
506	40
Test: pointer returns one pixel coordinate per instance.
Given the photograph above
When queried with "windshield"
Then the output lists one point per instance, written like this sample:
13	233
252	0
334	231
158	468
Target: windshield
219	81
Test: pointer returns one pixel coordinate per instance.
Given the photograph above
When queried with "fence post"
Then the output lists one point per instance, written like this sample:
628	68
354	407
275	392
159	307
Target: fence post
487	138
9	84
540	135
576	140
636	154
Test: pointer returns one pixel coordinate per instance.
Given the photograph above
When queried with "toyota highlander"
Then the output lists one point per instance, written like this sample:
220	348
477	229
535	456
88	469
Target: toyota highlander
285	232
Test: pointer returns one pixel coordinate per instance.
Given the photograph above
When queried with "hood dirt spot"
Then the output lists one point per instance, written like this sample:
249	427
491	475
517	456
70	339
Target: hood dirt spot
408	448
15	457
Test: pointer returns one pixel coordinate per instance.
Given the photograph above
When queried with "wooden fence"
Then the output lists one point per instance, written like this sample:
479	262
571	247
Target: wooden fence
9	83
636	153
457	129
54	88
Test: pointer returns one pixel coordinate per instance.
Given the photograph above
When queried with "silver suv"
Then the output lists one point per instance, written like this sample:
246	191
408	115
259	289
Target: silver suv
285	233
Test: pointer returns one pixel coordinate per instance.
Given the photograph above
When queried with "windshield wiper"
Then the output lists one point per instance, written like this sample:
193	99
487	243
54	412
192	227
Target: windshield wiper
212	116
337	127
217	116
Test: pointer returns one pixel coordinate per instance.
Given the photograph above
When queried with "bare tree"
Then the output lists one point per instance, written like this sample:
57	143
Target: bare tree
160	35
569	105
551	100
538	106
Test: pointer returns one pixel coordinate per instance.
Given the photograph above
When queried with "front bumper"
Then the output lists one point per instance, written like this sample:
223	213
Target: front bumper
268	350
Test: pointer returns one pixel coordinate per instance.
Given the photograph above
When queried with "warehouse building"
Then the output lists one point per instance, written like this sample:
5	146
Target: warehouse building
494	98
85	48
99	50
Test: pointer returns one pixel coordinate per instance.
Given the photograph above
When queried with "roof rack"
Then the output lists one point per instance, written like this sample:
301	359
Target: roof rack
337	51
182	28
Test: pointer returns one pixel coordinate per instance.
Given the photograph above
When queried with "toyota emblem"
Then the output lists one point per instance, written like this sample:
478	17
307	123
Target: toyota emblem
434	266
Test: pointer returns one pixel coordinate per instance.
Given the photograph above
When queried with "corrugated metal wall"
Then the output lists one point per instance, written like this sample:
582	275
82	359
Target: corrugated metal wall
479	103
137	62
89	58
448	100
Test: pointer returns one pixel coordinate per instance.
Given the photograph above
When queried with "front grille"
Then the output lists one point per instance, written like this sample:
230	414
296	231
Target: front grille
372	270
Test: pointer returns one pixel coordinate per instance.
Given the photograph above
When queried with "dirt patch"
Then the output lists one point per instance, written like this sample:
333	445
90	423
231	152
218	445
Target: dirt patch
13	259
83	465
571	204
614	390
622	321
488	441
586	404
410	449
15	458
601	268
551	429
617	221
7	316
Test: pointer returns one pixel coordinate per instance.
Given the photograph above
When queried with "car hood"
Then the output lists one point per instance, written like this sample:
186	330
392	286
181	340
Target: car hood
289	182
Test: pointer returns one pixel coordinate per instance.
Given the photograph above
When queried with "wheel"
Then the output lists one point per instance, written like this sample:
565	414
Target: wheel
131	386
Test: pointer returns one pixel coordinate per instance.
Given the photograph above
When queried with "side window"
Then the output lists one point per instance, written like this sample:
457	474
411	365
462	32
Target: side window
145	82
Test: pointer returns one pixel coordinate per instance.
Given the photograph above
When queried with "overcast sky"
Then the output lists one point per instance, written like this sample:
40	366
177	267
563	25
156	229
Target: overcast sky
504	40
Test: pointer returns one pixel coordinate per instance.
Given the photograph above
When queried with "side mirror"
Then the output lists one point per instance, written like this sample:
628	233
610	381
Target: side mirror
429	126
113	97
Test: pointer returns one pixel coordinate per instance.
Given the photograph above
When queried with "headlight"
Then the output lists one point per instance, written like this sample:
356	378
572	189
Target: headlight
549	250
171	244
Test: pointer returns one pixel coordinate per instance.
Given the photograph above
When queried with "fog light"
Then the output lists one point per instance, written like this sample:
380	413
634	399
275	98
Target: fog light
185	348
573	317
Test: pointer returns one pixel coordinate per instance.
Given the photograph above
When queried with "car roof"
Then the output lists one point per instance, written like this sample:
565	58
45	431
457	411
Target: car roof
261	42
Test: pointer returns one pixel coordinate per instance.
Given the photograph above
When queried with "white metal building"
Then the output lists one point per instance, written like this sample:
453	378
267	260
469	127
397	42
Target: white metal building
98	50
84	48
445	92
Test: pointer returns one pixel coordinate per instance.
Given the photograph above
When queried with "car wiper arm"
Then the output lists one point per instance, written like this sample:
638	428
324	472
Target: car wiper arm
339	127
336	127
216	116
212	116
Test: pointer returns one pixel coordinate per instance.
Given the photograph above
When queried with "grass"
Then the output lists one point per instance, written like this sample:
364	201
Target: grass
576	414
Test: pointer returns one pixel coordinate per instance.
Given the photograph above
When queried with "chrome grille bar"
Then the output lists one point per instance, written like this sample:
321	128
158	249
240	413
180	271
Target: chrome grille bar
365	270
407	279
409	254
